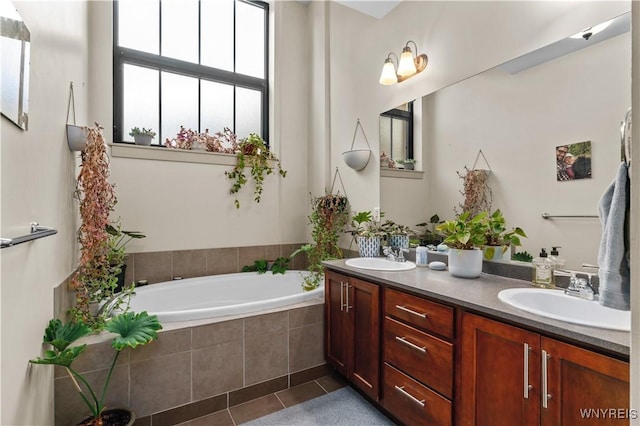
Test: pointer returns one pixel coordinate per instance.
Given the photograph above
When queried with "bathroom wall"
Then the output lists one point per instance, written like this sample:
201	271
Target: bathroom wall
182	206
37	183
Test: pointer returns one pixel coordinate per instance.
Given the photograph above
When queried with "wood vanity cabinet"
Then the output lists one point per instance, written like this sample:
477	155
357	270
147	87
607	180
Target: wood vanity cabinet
510	376
418	367
352	319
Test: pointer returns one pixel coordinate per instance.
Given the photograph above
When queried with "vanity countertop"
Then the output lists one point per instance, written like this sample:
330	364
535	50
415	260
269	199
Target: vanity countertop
481	295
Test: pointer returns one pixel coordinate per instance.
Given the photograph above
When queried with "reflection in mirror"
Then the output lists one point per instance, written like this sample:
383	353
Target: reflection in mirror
396	136
14	51
517	120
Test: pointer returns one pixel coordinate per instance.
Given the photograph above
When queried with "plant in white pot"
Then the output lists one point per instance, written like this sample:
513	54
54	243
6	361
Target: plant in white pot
367	233
499	240
142	136
408	164
129	329
465	236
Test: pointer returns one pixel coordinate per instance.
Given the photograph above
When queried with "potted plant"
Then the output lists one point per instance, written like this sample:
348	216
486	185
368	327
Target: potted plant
94	280
431	236
498	240
118	239
253	152
396	235
408	164
142	137
131	330
465	236
367	233
328	219
477	193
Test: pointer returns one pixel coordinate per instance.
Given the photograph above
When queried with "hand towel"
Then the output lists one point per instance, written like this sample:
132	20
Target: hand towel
613	255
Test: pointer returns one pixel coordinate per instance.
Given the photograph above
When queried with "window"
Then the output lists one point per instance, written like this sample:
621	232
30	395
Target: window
396	132
198	64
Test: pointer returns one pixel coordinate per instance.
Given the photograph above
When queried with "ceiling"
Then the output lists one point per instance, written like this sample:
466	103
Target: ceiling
377	9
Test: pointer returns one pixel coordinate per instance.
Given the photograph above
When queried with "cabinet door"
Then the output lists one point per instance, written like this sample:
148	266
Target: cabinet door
336	321
584	387
364	314
500	374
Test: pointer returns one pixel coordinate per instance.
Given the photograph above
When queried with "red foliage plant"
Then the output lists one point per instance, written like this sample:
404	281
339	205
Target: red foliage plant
93	280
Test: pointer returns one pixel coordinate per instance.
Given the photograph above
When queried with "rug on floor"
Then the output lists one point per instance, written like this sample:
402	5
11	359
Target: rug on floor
342	407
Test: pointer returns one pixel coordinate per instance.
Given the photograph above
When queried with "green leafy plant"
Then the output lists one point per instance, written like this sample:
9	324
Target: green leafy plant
131	329
407	161
363	225
522	256
497	234
328	219
389	227
466	232
260	266
254	153
118	240
280	265
143	131
431	235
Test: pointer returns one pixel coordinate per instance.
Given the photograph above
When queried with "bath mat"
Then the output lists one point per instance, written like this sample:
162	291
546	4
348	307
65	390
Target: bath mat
342	407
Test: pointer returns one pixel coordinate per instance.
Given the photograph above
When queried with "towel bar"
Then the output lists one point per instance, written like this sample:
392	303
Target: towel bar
546	215
37	231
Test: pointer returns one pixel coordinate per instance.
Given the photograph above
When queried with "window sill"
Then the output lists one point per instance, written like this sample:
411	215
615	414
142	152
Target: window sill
401	173
168	154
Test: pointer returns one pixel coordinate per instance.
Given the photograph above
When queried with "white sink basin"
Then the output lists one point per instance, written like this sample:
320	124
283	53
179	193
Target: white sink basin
379	264
557	305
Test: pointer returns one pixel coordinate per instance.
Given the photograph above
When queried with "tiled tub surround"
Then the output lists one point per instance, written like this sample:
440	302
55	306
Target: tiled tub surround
166	265
200	367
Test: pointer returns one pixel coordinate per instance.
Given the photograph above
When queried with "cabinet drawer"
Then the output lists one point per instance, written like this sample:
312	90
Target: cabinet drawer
424	357
419	312
412	403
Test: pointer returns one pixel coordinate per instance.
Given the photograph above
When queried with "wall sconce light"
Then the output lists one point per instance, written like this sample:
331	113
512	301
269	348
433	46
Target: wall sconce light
408	65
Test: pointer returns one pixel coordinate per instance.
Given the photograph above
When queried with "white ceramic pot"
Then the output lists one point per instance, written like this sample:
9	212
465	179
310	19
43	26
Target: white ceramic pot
369	246
77	137
144	140
499	253
465	263
357	159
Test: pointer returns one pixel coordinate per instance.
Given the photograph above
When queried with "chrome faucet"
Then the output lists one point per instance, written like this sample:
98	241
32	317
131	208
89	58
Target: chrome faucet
578	287
395	256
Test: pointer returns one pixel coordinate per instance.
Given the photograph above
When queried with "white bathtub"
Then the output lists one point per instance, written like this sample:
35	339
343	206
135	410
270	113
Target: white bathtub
220	295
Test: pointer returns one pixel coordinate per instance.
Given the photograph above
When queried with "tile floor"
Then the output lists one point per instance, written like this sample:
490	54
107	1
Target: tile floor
268	404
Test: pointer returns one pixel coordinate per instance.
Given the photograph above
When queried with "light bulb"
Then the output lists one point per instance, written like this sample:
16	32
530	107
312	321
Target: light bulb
406	67
388	75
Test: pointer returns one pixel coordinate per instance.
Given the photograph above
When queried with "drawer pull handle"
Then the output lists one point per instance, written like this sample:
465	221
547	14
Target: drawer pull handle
545	380
412	312
407	394
527	386
414	346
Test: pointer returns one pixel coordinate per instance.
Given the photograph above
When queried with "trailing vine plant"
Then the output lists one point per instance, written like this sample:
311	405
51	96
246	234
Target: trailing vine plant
254	153
477	193
328	219
94	279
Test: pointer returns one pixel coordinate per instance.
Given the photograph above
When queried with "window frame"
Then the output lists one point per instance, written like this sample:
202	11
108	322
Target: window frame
406	116
124	55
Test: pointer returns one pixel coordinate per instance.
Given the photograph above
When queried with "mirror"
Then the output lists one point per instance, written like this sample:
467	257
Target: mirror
14	51
517	114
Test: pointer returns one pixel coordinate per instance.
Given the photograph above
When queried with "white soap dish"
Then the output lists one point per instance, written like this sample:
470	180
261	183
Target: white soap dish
437	266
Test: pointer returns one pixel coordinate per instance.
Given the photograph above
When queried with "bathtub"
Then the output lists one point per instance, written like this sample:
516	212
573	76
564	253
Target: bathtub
220	295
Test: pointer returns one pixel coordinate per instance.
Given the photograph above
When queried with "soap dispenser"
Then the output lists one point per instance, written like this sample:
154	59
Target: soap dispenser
558	262
543	271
